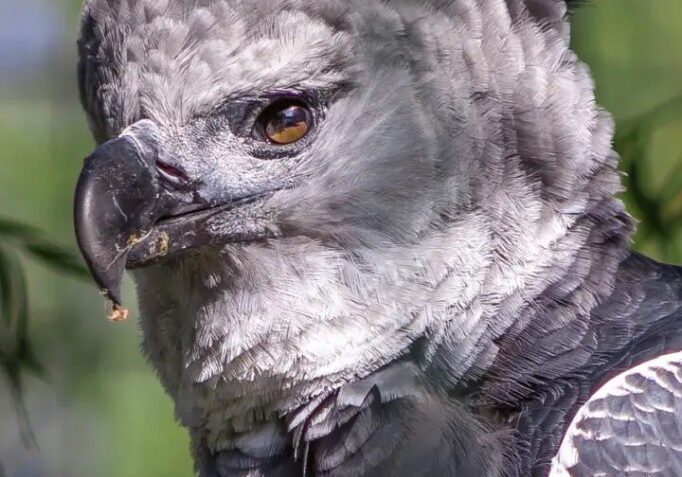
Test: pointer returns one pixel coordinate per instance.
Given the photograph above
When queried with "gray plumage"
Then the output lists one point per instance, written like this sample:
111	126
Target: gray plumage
439	273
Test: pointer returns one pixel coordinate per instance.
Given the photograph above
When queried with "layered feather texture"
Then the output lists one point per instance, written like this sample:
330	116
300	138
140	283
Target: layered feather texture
452	240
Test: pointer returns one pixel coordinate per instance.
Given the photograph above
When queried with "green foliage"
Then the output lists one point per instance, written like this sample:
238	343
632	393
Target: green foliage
660	209
33	242
16	353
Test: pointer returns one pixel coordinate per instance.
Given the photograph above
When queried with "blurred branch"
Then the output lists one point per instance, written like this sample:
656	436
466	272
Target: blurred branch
16	354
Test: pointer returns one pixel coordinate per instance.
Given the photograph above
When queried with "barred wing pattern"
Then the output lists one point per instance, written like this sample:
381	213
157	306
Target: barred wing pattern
632	426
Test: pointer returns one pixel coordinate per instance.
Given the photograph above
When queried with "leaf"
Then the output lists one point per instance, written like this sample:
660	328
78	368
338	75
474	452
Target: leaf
35	244
14	230
57	258
16	354
14	342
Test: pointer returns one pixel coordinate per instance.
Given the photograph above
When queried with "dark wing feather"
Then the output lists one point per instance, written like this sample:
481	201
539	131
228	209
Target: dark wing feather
630	426
641	321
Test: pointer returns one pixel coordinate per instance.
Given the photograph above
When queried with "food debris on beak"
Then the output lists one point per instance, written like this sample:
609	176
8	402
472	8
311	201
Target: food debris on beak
116	313
115	205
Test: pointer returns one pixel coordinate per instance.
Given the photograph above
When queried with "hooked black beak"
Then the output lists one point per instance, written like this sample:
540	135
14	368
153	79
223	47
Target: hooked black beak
117	200
132	210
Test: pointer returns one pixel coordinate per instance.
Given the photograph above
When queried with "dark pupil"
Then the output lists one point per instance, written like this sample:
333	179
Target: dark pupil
287	118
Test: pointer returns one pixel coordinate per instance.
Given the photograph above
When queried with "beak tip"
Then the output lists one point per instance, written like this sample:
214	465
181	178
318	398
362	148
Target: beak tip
116	313
115	196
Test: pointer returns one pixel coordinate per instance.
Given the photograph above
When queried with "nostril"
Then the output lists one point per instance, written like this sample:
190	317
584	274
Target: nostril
171	172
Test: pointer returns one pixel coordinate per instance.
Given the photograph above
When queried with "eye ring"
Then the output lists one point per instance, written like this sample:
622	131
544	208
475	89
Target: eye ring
285	122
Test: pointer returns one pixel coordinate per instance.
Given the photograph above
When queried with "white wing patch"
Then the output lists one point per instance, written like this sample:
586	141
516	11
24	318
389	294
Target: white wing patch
631	426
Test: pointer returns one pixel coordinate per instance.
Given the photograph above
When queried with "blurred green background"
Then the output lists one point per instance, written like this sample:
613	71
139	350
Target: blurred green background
99	409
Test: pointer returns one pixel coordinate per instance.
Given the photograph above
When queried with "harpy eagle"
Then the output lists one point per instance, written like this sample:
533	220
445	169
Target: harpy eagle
376	238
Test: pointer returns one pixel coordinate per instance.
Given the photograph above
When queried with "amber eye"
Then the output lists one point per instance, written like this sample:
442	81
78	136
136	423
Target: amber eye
286	122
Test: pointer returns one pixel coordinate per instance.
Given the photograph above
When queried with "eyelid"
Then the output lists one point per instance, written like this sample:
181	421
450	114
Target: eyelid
273	97
240	115
242	112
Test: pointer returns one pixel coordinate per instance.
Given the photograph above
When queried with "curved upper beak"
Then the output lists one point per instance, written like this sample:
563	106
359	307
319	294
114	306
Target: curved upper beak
118	198
132	209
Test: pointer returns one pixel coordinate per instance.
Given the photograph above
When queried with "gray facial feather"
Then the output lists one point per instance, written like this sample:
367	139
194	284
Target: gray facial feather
459	184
